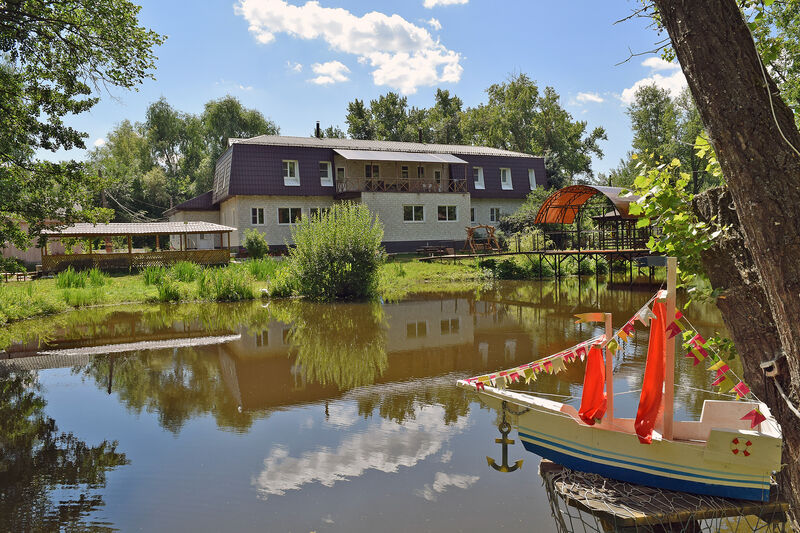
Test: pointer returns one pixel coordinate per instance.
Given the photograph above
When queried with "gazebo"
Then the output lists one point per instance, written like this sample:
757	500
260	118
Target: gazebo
196	242
616	227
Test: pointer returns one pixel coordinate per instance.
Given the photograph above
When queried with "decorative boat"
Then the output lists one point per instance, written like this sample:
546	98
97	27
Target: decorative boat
731	451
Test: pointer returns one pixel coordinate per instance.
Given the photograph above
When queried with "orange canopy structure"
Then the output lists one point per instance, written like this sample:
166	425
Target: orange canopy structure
562	206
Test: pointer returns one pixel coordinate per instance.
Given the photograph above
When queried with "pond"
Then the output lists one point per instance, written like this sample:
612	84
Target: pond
292	416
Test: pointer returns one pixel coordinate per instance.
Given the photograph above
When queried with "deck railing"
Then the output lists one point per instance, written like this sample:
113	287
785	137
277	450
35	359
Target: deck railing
124	261
355	184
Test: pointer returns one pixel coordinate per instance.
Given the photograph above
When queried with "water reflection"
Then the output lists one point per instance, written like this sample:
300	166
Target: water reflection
48	480
292	398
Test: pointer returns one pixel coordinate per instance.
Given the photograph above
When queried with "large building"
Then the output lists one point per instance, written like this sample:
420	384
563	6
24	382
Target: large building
424	194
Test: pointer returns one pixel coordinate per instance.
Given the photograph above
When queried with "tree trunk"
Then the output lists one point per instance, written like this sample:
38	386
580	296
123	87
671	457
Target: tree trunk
735	99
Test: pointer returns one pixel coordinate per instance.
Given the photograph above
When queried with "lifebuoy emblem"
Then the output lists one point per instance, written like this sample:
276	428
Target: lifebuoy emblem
739	447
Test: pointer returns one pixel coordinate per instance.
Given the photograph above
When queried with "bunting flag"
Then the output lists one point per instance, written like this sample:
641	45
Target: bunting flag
644	315
755	417
580	351
558	365
612	346
741	390
629	328
674	329
590	317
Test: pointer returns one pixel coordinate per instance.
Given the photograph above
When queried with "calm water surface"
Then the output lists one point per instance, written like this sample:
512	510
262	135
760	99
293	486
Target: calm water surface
294	416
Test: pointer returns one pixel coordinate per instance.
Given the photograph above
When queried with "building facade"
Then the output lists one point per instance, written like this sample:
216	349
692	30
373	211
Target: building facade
424	194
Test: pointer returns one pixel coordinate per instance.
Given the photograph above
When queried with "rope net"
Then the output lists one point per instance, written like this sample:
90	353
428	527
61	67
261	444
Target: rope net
584	503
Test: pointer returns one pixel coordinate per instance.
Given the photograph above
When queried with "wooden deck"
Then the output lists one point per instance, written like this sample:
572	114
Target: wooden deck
548	253
133	260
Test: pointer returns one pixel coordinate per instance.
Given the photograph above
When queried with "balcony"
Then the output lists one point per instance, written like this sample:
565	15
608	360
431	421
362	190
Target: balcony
354	184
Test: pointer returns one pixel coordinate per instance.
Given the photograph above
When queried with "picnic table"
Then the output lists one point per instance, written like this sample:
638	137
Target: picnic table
432	250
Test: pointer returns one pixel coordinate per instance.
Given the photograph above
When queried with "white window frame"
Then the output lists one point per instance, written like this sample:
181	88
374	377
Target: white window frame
326	181
413	210
290	223
494	214
257	213
479	183
506	185
472	214
290	180
416	324
532	178
447	213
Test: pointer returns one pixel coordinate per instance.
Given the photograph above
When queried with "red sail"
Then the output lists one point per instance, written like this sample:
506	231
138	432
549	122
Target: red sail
593	400
651	401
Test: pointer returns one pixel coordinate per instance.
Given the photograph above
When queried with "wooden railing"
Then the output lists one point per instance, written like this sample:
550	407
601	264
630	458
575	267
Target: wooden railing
125	261
353	184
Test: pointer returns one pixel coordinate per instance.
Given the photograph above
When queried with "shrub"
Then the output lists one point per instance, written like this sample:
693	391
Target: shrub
154	275
169	291
262	269
11	264
255	244
185	271
225	285
585	267
78	297
337	255
96	277
282	284
70	279
540	269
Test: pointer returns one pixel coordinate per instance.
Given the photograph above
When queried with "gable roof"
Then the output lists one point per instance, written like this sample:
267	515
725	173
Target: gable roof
201	202
383	146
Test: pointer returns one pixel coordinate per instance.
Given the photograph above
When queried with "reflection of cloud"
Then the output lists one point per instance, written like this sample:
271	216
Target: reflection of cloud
342	415
385	446
442	481
446	456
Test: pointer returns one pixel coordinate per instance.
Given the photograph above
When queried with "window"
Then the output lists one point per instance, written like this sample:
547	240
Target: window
477	177
532	178
437	176
413	213
372	171
339	173
325	176
404	172
416	329
505	179
447	213
317	211
450	326
262	339
290	174
421	173
257	216
289	215
494	214
472	214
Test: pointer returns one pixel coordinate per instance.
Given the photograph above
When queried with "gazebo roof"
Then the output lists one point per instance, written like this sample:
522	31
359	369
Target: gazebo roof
562	206
84	229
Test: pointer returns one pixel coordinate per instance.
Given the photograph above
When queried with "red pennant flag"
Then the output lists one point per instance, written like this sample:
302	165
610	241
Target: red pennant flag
678	315
548	365
697	341
673	329
693	355
479	385
741	389
721	375
628	328
536	368
580	351
755	417
514	377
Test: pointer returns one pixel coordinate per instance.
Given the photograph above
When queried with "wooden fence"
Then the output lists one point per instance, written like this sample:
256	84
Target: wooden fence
126	261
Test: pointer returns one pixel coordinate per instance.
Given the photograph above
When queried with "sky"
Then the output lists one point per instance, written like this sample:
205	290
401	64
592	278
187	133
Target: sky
300	62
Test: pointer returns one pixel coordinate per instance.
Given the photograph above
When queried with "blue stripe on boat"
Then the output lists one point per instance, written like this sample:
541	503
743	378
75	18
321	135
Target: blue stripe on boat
642	478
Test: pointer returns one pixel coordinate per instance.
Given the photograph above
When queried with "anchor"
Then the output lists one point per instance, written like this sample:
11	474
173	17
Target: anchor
505	429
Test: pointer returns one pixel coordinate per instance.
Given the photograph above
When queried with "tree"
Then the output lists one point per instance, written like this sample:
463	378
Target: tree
53	55
654	120
735	94
359	121
445	118
517	117
389	117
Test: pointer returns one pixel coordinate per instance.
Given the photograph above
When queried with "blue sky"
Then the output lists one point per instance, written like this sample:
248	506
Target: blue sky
300	62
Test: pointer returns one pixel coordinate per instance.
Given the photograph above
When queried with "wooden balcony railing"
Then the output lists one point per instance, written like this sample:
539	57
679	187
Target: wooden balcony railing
136	260
353	184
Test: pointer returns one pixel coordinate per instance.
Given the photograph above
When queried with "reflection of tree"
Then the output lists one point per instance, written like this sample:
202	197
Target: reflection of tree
341	344
35	460
402	406
177	385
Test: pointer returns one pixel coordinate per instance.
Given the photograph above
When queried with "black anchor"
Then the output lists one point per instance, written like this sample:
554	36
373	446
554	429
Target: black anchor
505	429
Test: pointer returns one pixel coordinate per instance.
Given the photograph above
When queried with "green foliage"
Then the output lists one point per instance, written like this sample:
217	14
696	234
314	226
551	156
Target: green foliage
262	269
522	221
225	285
283	284
11	264
255	243
185	271
70	279
96	277
53	55
23	300
82	297
169	291
154	275
337	255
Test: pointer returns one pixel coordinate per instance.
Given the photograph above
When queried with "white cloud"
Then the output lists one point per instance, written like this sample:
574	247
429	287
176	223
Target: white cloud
232	85
330	72
294	67
589	97
442	481
674	82
434	23
99	142
403	55
433	3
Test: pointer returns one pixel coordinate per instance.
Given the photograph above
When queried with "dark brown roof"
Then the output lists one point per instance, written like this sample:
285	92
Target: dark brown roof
563	205
201	202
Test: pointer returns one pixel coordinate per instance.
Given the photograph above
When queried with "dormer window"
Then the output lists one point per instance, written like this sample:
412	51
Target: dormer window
291	175
477	177
505	179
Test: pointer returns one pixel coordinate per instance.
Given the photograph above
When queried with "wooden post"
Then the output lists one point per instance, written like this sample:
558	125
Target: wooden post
158	248
609	418
130	245
669	363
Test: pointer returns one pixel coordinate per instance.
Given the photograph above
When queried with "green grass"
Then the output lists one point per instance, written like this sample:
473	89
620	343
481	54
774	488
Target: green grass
399	279
185	271
262	269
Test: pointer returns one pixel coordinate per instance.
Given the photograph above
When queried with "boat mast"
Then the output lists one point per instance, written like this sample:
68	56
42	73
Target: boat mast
669	362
